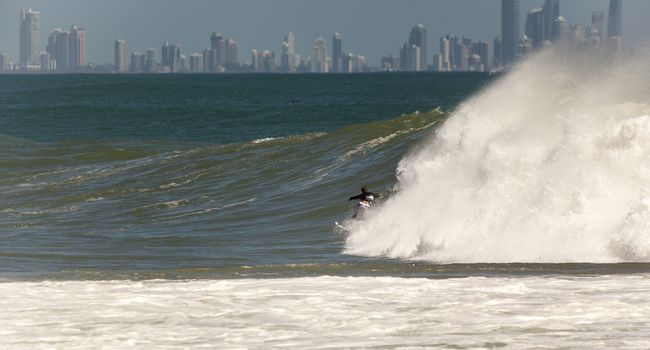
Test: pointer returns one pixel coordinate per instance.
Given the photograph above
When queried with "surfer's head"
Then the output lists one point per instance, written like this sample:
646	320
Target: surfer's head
364	189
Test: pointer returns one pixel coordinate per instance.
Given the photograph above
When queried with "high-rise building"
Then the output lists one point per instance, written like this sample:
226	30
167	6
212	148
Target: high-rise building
551	12
509	30
403	57
462	56
337	53
559	30
219	44
224	53
215	40
209	60
615	21
263	61
498	52
289	60
453	41
61	49
120	56
150	60
196	63
598	25
46	63
525	46
4	61
615	44
437	63
137	62
51	45
319	56
390	63
445	64
474	63
577	36
535	26
29	38
171	58
178	59
182	64
352	63
418	37
267	61
413	56
77	55
231	55
482	48
461	53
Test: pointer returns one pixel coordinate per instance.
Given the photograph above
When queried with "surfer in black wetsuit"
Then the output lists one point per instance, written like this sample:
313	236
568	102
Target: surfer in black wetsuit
365	200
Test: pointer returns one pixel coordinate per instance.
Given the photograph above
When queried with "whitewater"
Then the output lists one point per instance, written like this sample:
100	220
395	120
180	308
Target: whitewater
550	164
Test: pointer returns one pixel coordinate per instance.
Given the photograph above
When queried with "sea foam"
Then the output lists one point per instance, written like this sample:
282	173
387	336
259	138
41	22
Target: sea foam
551	163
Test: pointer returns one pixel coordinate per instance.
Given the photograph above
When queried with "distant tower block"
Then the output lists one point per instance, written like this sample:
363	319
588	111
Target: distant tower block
615	23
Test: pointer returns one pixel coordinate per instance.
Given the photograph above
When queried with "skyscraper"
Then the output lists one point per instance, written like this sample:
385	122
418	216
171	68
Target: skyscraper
171	58
177	64
403	56
150	60
413	55
418	37
535	26
289	59
444	65
551	12
120	56
218	43
4	61
462	56
615	22
598	25
231	55
77	47
498	52
45	62
196	63
319	56
482	48
337	53
559	30
61	49
29	38
509	30
137	62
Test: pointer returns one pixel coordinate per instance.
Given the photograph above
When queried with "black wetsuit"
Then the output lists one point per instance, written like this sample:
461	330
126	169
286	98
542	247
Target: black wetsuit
364	197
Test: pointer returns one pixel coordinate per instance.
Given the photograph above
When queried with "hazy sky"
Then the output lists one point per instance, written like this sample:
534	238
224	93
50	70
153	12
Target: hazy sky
373	28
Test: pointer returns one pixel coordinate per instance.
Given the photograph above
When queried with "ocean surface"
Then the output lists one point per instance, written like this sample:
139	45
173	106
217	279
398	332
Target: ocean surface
200	211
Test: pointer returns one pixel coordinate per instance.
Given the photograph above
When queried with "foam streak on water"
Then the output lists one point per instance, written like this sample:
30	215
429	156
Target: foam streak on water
550	164
329	312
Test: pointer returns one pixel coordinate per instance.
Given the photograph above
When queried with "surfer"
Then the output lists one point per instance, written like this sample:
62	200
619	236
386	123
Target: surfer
365	200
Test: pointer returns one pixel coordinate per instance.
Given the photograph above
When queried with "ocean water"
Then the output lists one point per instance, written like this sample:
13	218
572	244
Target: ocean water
199	211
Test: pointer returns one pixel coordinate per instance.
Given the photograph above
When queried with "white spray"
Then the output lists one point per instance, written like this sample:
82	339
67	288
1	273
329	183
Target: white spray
549	164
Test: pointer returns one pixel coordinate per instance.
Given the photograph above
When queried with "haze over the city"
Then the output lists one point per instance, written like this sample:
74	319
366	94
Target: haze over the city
373	28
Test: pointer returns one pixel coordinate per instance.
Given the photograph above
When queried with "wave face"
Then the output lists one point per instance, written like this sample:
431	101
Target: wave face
549	164
146	205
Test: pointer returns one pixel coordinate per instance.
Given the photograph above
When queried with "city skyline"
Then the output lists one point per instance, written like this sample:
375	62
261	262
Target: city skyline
374	37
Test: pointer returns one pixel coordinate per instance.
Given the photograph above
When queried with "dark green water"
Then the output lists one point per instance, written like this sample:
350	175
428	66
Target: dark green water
215	108
168	173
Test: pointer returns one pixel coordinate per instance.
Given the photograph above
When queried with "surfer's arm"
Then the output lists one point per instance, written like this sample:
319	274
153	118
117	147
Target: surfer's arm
356	197
375	194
